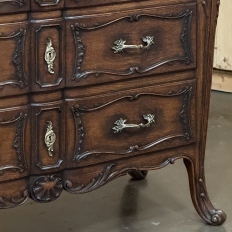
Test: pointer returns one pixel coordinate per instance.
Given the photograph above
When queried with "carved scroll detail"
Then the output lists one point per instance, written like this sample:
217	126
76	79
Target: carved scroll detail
6	203
185	113
80	130
216	217
77	29
17	143
17	59
108	175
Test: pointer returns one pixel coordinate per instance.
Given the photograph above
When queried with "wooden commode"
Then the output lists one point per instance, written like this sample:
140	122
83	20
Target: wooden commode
93	90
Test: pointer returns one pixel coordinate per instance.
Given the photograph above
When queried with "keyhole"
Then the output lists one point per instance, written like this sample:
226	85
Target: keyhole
50	55
50	138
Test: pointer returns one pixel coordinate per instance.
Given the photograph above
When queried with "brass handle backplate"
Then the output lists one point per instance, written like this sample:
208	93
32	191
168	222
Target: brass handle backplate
50	138
120	123
50	55
120	44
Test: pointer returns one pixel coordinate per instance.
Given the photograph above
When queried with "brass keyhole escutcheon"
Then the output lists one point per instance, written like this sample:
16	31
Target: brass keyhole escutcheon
50	55
50	138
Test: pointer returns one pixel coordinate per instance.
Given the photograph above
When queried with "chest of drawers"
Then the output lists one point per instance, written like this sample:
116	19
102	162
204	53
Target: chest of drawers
93	90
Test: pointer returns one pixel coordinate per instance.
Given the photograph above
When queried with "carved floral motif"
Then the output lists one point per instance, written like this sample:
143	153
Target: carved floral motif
46	188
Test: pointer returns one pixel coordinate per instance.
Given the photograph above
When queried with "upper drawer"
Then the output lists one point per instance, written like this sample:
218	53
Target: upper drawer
10	6
112	126
129	44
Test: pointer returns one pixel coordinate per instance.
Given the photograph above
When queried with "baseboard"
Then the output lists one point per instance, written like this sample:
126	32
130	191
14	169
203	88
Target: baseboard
222	81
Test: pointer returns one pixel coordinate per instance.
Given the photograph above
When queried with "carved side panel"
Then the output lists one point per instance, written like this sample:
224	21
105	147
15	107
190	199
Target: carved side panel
13	157
48	56
162	56
48	137
14	58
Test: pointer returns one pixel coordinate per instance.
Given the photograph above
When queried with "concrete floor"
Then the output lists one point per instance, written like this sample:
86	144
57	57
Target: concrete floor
159	203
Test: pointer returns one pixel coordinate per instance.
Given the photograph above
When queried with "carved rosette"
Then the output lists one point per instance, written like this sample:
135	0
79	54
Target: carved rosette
46	188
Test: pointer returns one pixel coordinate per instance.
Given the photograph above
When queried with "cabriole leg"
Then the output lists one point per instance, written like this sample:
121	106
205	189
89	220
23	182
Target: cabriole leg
200	197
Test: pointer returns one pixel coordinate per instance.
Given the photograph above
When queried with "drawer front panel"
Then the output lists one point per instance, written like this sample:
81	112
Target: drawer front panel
14	157
129	44
14	55
11	6
130	122
48	137
48	56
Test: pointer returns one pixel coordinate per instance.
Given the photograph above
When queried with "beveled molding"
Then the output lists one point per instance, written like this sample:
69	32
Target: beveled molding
185	39
37	44
18	143
184	114
17	58
47	2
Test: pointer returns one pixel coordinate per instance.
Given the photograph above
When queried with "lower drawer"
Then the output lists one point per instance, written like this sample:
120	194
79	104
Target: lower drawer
131	122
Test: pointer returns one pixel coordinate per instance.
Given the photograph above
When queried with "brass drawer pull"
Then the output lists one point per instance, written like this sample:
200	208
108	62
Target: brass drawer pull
120	123
50	138
120	44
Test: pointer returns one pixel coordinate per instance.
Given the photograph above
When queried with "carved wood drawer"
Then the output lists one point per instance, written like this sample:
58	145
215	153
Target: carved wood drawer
47	44
15	143
121	45
47	137
11	6
14	55
130	122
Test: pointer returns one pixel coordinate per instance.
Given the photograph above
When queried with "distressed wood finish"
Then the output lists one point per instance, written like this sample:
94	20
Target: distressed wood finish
74	115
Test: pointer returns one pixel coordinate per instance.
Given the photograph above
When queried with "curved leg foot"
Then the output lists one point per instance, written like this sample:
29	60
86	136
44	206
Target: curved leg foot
200	197
138	175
